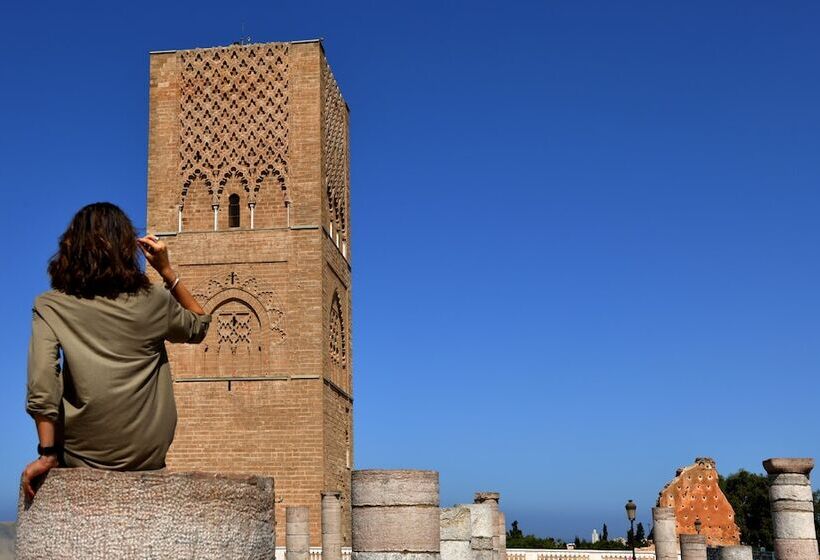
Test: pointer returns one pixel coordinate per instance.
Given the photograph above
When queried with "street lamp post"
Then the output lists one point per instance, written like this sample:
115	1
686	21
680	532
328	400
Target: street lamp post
631	509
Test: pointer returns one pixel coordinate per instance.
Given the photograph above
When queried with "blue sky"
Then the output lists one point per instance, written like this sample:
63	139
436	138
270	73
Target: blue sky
585	232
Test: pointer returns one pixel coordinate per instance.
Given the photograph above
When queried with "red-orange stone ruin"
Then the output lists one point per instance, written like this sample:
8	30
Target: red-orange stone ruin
694	494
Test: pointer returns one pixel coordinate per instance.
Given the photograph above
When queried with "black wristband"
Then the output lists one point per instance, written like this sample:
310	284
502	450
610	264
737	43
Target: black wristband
51	450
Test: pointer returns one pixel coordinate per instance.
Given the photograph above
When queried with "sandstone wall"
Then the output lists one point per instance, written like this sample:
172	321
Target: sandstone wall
694	494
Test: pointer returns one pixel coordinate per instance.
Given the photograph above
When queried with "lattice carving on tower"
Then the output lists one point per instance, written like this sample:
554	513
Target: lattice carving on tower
335	154
234	118
247	290
234	329
337	336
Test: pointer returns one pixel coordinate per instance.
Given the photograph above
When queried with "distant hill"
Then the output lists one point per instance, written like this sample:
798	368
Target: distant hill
7	534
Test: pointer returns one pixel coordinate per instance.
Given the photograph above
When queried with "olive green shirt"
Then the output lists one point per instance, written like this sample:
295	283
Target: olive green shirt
111	390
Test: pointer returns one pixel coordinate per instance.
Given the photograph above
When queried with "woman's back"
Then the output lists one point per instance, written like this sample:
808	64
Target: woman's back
114	395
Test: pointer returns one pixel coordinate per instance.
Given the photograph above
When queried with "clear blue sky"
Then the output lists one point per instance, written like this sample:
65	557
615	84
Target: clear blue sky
586	233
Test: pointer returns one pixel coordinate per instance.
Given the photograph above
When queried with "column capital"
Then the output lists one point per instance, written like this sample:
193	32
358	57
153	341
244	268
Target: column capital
481	497
789	465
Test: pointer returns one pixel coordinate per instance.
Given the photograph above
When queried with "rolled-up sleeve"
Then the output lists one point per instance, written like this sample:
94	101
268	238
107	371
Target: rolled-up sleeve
45	381
185	325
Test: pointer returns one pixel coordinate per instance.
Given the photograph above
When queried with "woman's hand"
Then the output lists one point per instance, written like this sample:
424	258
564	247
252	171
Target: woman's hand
156	253
35	470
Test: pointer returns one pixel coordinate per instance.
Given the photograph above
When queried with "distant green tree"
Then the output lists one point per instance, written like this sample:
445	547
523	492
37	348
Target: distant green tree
630	538
817	512
605	533
577	542
517	539
749	495
640	535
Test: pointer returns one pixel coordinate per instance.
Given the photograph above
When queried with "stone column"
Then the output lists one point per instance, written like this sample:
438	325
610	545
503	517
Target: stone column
484	527
739	552
666	540
792	508
331	526
491	498
693	547
297	533
100	515
395	515
456	530
502	536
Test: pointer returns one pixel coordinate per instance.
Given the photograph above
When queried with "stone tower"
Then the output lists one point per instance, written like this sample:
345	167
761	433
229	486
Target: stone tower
248	185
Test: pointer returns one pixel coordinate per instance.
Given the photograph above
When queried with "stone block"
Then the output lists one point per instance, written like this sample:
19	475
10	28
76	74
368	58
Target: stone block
395	487
95	514
399	528
736	552
395	555
693	547
456	550
456	524
483	520
395	512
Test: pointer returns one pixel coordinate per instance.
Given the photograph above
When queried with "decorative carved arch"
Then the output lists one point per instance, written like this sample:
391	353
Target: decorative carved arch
196	175
218	290
232	173
273	172
337	335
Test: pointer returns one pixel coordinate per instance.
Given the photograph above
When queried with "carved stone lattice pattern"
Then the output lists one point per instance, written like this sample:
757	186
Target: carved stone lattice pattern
335	152
234	329
233	281
233	117
338	350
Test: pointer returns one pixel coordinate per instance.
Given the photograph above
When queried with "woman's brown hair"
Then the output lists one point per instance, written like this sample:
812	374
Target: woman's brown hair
98	255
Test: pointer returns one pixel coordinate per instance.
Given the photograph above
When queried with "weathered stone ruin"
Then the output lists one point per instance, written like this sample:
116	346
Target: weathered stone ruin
694	494
663	527
456	533
792	506
693	547
737	552
500	536
395	515
483	526
331	526
297	533
96	514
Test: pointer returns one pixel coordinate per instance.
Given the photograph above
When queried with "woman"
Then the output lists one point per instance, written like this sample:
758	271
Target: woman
108	403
